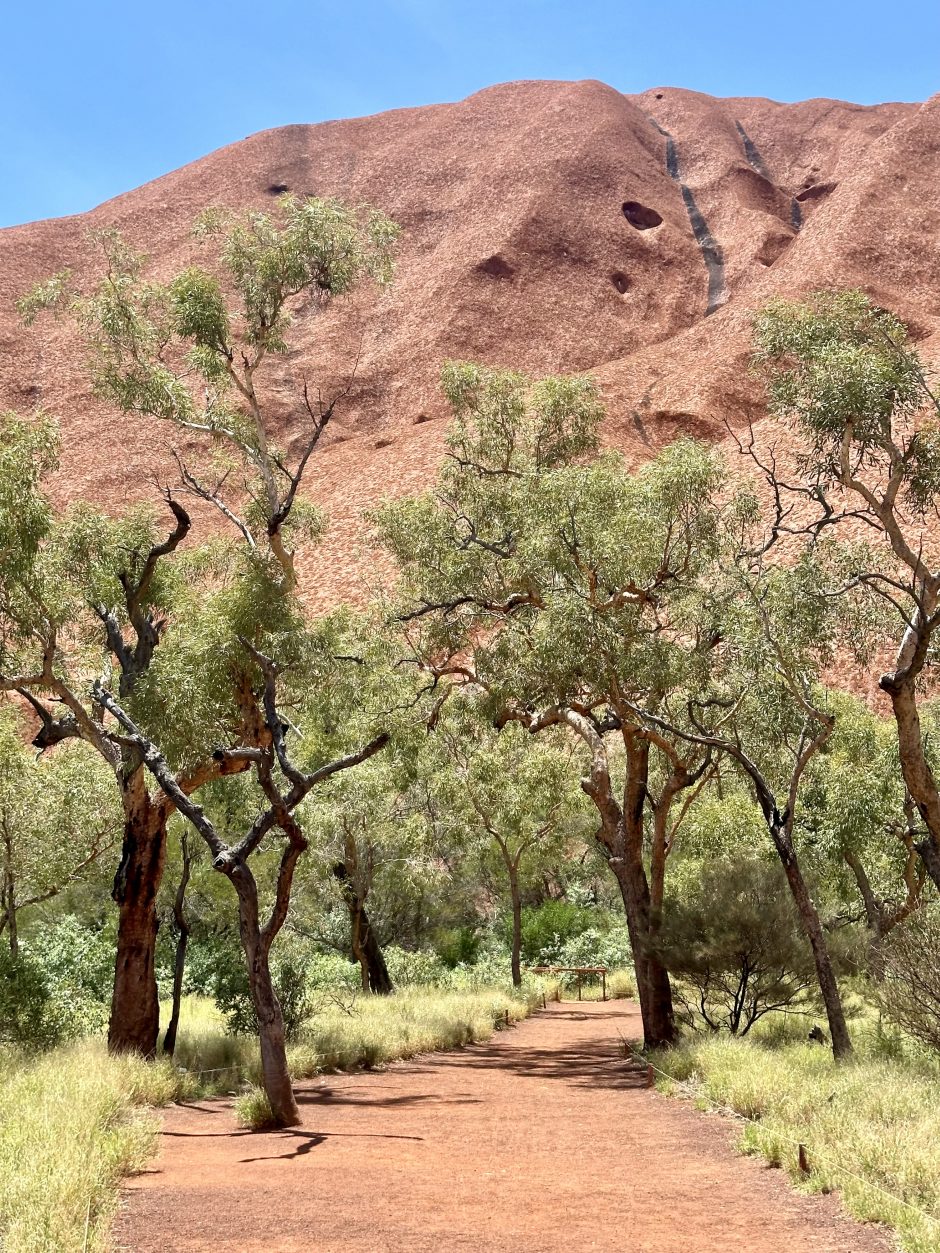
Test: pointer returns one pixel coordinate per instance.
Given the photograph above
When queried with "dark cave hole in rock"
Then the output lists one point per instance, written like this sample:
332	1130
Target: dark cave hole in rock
277	189
659	95
640	216
620	281
496	267
818	191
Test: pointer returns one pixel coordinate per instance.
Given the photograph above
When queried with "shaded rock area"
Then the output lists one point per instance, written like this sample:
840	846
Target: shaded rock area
548	226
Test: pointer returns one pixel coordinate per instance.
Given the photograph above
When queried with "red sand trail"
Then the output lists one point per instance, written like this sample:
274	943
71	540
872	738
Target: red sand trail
544	1139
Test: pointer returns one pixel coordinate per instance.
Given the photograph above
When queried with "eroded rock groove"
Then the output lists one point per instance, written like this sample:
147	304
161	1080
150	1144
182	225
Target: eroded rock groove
711	250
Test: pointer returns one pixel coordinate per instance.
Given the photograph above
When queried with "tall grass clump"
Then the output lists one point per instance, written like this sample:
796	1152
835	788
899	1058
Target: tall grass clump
870	1126
373	1030
71	1125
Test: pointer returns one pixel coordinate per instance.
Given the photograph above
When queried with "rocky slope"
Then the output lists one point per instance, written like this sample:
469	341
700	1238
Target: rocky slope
550	226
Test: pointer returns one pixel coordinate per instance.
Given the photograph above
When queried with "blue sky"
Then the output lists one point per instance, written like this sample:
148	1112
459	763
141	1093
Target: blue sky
98	97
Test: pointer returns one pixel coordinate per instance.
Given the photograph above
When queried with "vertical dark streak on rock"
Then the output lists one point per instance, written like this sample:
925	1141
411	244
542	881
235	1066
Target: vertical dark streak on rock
756	162
711	251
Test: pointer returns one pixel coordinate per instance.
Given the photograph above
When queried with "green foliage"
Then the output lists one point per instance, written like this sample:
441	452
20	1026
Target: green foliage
291	984
253	1112
58	814
27	1008
29	449
736	941
77	956
549	927
595	946
909	992
458	946
420	969
844	368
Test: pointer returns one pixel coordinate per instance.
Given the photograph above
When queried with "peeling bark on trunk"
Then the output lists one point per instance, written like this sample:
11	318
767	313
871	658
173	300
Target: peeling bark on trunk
653	986
182	942
135	1004
365	946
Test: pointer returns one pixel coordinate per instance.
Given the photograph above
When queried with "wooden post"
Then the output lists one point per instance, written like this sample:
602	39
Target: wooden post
603	985
579	985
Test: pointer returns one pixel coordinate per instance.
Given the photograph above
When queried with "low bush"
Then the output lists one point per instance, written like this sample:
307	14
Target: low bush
252	1110
36	1011
909	991
735	943
290	971
421	968
546	928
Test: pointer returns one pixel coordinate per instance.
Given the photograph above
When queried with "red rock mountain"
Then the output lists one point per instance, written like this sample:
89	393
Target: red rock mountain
548	226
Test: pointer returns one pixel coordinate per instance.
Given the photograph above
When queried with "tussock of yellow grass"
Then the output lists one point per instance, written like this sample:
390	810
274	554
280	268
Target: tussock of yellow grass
871	1126
71	1125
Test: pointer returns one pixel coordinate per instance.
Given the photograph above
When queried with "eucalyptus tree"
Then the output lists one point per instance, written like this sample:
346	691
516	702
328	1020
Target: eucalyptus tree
196	352
58	817
760	704
845	373
371	846
859	813
560	588
329	703
505	795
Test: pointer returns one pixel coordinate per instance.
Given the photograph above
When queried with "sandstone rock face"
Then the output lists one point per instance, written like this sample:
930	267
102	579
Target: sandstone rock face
548	226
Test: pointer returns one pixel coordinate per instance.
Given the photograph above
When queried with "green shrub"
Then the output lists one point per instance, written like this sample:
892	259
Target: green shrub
735	941
422	968
459	946
909	992
289	973
27	1011
546	928
252	1110
597	948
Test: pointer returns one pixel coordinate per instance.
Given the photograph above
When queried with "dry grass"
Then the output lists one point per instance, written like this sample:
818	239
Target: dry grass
871	1126
74	1121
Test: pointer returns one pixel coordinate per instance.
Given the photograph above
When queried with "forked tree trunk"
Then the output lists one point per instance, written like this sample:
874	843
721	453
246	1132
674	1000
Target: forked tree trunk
653	986
365	945
621	837
182	942
654	990
135	1003
380	981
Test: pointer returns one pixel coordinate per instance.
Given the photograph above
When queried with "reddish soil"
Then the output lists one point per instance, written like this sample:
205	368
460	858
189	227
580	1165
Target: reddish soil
544	1139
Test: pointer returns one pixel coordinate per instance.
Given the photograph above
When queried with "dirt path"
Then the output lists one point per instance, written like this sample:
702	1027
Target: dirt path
543	1139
